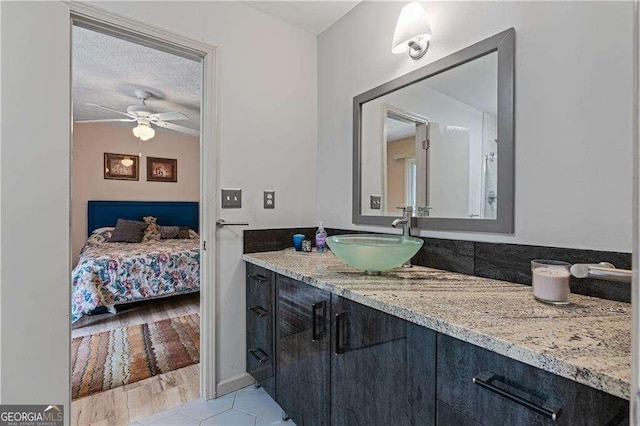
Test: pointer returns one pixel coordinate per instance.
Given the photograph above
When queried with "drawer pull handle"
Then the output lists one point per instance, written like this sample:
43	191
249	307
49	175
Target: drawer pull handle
259	354
486	381
258	277
258	310
314	313
339	325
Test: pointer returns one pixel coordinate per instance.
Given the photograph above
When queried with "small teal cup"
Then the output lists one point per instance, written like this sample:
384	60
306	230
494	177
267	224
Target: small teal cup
297	241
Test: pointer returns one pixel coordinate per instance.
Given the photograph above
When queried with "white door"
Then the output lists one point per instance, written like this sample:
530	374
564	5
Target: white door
448	171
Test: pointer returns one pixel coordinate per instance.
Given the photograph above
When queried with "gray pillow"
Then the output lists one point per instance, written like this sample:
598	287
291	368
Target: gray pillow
174	232
184	233
128	231
169	232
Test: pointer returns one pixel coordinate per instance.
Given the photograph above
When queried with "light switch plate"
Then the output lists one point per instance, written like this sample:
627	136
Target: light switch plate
376	202
269	199
231	198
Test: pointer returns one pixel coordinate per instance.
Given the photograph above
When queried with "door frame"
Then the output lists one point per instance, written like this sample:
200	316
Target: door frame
634	396
422	155
167	41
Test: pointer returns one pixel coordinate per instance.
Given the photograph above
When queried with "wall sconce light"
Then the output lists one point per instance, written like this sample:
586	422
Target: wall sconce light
143	131
413	31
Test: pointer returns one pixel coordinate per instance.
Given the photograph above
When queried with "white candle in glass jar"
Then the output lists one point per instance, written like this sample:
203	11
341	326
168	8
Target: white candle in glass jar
551	284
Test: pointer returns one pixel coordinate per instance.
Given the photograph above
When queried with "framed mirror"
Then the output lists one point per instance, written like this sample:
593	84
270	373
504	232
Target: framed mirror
440	139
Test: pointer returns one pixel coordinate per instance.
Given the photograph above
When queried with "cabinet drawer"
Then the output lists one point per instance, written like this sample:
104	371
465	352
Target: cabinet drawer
260	283
260	364
260	320
495	390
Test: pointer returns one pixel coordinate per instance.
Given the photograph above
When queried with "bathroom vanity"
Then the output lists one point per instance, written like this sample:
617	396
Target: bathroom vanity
424	346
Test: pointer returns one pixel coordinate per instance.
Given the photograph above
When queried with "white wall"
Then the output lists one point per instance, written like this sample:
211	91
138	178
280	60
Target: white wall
92	140
268	140
573	110
35	147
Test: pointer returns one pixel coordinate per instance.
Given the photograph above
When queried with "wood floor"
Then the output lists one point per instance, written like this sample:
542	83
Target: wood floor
126	404
139	313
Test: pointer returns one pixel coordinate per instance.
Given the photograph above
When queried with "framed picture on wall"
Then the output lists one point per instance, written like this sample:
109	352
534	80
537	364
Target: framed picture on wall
121	166
162	169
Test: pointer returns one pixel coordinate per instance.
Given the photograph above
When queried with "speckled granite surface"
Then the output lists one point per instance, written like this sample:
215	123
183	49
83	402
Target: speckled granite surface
588	341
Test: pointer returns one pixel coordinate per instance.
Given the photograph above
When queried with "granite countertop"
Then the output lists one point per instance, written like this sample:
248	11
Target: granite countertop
588	341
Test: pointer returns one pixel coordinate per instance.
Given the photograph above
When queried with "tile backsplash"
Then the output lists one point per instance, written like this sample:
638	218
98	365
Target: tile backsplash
507	262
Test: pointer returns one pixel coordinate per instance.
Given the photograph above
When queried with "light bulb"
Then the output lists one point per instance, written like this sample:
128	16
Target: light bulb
144	132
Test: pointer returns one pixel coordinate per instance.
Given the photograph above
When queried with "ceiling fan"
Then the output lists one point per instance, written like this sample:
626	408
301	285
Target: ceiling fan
145	117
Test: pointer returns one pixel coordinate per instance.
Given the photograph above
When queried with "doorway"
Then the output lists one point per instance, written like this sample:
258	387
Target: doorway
154	113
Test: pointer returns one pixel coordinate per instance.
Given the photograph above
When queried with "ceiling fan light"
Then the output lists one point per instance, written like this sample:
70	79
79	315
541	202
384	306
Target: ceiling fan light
144	132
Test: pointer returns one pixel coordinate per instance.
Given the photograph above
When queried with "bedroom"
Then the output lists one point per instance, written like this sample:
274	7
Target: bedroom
135	216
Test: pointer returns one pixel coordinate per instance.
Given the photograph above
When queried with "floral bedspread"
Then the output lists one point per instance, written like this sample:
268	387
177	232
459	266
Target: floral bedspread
109	274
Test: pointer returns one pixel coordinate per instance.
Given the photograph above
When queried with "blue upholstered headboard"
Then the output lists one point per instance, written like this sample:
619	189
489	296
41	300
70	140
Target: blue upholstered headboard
169	213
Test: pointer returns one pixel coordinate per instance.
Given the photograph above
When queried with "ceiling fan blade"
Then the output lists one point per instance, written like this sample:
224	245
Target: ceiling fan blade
108	120
169	116
112	110
177	128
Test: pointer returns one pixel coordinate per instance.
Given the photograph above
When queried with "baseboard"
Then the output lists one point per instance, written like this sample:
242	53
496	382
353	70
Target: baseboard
234	383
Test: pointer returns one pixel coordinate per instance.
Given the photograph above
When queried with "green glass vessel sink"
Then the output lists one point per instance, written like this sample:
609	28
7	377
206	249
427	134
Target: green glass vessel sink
374	253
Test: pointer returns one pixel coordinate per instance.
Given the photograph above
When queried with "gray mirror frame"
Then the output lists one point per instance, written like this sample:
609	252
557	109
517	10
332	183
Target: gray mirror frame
504	44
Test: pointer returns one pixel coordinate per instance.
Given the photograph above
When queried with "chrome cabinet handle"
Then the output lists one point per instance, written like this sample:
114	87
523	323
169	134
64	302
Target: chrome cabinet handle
259	354
258	310
221	223
486	381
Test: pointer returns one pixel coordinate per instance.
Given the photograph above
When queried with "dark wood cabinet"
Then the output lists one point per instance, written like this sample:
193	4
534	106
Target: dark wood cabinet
260	324
491	389
303	357
331	361
447	416
382	368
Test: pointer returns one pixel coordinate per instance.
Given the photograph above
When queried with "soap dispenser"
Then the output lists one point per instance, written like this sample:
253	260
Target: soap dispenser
321	239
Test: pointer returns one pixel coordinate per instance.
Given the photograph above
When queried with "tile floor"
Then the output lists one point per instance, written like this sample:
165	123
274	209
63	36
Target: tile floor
250	406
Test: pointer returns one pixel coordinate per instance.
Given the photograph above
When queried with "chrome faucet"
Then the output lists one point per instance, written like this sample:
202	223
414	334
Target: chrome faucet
405	221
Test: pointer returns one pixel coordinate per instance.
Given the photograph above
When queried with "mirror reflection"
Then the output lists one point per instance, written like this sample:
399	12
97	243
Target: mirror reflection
433	145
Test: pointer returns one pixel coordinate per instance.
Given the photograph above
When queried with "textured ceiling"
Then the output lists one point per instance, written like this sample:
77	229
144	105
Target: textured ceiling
107	70
312	16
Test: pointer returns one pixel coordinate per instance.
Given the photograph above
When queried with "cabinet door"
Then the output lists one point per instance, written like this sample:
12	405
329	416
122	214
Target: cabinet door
495	390
302	357
382	368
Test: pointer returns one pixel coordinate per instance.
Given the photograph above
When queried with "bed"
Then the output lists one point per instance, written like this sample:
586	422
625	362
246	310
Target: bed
109	274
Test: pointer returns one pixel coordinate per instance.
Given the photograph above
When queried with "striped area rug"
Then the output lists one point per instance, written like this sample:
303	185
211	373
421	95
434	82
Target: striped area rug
129	354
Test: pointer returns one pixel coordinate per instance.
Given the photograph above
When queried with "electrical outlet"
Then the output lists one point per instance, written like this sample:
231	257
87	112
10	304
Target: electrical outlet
376	202
269	199
231	198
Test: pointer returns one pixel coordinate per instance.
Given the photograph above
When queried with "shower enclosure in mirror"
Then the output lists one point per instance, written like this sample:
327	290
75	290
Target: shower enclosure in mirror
440	139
